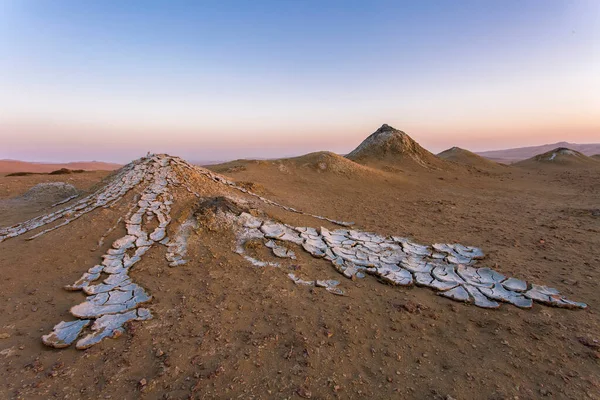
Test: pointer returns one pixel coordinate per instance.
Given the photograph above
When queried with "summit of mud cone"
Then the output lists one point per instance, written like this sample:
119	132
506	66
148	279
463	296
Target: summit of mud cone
560	157
386	127
390	145
466	157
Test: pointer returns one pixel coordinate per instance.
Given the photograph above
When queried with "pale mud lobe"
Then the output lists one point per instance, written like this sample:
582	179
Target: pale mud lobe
446	268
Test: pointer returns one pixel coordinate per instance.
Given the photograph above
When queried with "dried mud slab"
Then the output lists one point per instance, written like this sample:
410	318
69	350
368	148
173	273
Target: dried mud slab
449	269
111	326
65	333
113	299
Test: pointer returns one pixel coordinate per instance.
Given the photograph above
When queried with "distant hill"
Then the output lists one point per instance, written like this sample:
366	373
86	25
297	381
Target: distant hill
523	153
11	166
560	157
388	145
320	162
466	157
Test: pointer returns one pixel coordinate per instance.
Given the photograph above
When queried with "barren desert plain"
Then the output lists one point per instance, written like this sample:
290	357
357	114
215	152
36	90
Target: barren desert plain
208	311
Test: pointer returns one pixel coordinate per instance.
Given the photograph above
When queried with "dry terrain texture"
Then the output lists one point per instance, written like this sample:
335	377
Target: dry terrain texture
223	328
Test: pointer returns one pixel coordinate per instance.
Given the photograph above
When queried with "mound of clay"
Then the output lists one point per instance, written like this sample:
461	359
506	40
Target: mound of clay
596	156
466	157
391	145
66	171
325	161
320	162
49	192
23	173
562	157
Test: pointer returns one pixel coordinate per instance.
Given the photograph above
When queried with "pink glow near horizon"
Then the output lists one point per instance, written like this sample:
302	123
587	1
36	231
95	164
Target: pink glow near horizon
66	143
478	75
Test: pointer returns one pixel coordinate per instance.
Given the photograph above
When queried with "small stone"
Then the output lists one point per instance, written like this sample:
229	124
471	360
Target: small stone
304	393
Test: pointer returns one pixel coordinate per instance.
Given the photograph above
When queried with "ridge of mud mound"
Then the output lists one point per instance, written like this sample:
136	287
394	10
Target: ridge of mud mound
596	156
326	161
322	162
560	157
390	145
466	157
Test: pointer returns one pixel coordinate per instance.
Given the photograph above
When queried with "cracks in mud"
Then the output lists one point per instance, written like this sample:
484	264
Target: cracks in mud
113	299
449	269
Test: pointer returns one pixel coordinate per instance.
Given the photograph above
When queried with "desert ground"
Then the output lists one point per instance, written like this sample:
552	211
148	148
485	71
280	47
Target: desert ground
224	328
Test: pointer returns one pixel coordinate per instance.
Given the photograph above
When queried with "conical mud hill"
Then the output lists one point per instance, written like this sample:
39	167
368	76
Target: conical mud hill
462	156
560	157
388	145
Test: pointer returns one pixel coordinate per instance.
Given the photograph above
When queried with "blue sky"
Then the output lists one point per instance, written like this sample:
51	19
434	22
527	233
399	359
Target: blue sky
207	80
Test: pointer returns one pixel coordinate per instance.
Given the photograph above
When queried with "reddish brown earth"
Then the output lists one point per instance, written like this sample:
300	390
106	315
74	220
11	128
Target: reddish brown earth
10	166
225	329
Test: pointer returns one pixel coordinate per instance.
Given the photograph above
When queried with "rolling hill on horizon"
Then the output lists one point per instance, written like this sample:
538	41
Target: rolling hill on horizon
559	157
386	143
466	157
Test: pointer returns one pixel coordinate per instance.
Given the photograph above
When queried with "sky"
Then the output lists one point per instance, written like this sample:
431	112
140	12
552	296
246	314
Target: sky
217	80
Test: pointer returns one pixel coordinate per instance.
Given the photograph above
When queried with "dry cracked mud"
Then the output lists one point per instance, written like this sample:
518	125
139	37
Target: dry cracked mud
160	212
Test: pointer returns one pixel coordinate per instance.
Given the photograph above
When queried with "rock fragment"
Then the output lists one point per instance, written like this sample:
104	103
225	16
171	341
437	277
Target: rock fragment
65	333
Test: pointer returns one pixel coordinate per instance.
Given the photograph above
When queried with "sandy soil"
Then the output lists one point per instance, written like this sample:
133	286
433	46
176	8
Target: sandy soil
225	329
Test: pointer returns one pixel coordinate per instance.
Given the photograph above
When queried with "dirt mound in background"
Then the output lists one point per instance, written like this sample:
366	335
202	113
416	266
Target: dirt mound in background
48	192
560	157
325	161
10	166
466	157
62	171
65	171
390	145
319	162
596	156
42	195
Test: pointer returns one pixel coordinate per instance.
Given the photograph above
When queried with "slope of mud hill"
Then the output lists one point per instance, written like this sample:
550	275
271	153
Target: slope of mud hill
596	156
462	156
392	147
559	157
322	162
223	328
